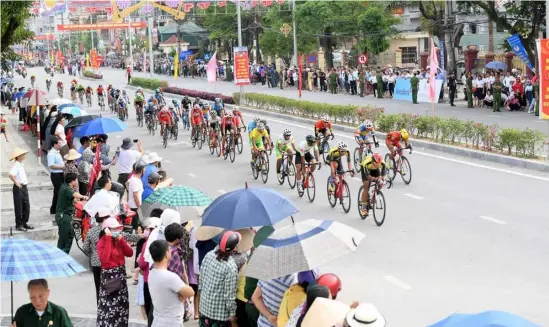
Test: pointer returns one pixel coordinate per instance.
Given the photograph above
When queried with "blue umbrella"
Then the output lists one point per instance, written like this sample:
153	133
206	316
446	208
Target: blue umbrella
74	111
248	207
69	105
100	126
6	80
485	319
497	65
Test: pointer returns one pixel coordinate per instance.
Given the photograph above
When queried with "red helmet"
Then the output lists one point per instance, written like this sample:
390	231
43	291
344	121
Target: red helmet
377	158
229	241
331	281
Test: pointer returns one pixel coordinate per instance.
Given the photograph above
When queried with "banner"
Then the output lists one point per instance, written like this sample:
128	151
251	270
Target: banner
100	26
441	61
543	50
175	66
518	49
403	90
211	69
241	66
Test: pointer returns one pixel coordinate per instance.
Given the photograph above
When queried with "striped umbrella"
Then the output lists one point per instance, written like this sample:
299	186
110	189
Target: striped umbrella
35	97
302	246
189	202
73	110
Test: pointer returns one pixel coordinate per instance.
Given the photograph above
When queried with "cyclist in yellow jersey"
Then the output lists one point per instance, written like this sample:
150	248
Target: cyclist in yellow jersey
372	168
256	139
334	157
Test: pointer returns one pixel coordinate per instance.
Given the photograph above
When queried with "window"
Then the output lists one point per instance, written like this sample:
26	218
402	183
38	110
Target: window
499	28
409	55
473	28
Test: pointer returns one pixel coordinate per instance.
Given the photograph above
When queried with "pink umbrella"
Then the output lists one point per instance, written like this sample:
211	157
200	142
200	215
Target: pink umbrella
35	98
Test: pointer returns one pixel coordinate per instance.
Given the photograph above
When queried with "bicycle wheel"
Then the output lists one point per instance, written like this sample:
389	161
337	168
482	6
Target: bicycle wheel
390	172
226	148
300	188
331	194
280	177
239	145
290	174
325	148
232	150
199	141
311	188
265	168
346	197
193	137
405	170
175	131
379	205
211	145
165	137
218	145
204	132
357	159
255	169
359	202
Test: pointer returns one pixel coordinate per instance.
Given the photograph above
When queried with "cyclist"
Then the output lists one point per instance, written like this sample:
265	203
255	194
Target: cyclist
228	123
392	141
303	154
81	90
48	83
138	99
60	88
324	126
219	107
253	124
285	143
197	101
197	118
33	79
125	96
206	112
149	110
334	158
363	132
89	92
372	168
158	95
122	107
240	120
185	103
256	139
73	90
215	121
165	118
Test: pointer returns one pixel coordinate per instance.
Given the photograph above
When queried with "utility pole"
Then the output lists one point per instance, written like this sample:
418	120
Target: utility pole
151	64
449	22
296	57
178	43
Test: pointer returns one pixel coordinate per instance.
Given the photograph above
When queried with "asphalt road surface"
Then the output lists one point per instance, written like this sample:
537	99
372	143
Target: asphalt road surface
464	236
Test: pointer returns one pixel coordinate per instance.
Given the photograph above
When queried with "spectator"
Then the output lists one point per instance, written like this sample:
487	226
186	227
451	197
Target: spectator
267	298
84	144
56	166
365	315
218	281
295	297
3	125
85	167
40	309
135	192
168	291
313	292
174	235
65	211
153	163
153	180
46	134
113	308
127	158
143	294
21	203
488	100
60	133
70	162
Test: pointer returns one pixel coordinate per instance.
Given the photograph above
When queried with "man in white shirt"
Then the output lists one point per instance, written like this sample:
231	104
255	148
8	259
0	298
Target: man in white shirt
103	198
127	158
21	202
135	191
508	81
168	291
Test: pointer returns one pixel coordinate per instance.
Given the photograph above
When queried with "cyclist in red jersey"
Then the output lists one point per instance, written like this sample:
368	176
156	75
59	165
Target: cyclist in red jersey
228	123
197	118
324	126
392	141
100	90
165	119
238	117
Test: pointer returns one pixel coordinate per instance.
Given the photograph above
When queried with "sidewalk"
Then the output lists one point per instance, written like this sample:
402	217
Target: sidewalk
40	187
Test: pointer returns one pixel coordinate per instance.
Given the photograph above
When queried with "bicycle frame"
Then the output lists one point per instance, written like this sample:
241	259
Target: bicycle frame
339	184
306	172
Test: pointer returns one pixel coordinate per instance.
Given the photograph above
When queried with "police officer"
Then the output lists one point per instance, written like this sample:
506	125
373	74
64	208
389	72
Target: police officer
497	87
414	83
361	76
469	85
452	86
333	82
379	79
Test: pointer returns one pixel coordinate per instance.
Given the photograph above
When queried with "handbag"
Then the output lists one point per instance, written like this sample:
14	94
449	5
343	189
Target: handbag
113	285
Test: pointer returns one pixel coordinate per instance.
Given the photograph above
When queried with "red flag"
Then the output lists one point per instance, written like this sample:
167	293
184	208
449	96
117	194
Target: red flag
96	169
211	69
300	73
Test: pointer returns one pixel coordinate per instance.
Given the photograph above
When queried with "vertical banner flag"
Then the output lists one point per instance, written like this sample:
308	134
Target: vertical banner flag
87	60
241	66
175	66
433	66
543	51
518	49
299	73
144	61
441	47
211	69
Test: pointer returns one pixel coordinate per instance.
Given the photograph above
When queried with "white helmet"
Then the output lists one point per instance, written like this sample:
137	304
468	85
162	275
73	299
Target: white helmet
325	118
368	124
260	126
342	145
287	132
229	114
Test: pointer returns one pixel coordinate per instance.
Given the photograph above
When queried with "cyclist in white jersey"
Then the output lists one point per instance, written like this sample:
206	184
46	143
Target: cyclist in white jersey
285	143
303	154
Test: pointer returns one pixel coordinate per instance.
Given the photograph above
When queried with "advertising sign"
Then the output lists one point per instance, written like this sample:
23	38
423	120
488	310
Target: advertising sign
518	49
241	66
100	26
543	50
403	89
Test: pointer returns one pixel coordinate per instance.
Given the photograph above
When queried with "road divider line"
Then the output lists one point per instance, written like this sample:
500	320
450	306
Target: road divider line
221	191
397	282
357	179
167	161
192	175
493	220
413	196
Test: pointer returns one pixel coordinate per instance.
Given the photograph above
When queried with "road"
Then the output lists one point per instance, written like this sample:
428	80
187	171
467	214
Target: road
463	236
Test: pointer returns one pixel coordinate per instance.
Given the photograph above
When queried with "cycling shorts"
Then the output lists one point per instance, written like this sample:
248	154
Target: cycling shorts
284	149
308	157
258	144
320	131
213	124
229	127
365	172
364	138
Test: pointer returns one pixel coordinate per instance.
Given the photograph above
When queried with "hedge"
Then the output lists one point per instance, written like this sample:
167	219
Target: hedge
91	74
194	93
524	143
148	83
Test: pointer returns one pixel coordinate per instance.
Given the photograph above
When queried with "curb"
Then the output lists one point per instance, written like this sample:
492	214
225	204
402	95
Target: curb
78	320
46	231
463	152
90	79
31	187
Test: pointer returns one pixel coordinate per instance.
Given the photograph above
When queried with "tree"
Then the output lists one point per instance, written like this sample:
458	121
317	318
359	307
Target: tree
12	26
376	23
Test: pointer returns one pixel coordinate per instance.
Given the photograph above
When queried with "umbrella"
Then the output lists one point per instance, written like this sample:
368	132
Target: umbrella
101	126
35	98
302	246
497	65
74	111
188	201
248	207
59	101
485	319
6	80
69	105
77	121
23	259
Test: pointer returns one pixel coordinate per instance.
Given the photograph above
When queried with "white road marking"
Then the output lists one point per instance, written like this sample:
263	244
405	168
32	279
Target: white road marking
397	282
221	191
357	179
413	196
494	220
192	175
167	161
432	155
496	116
118	136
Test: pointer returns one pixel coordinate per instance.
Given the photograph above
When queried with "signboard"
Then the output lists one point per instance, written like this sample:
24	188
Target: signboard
403	90
184	54
518	49
362	58
543	50
441	60
100	26
241	66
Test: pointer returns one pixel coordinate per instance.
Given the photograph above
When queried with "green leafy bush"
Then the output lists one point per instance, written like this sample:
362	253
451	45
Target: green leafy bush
148	83
92	74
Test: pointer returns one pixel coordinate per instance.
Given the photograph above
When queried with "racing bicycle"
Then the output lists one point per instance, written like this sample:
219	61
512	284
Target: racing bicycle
400	165
363	150
139	114
376	202
287	171
339	190
261	165
324	147
215	141
229	150
308	182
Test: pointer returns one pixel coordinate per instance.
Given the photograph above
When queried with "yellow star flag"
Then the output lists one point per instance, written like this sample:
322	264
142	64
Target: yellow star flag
87	60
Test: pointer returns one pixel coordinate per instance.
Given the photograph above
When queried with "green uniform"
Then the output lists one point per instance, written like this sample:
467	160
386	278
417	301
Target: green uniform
536	95
414	83
498	86
53	316
361	84
469	92
333	83
379	85
63	217
281	79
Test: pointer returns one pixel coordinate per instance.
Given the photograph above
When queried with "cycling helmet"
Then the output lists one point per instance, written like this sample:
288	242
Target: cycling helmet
260	126
377	158
229	241
287	132
174	101
342	145
124	92
326	119
331	281
157	90
213	114
217	100
235	109
404	134
139	89
368	124
153	178
139	166
100	85
310	139
229	114
257	120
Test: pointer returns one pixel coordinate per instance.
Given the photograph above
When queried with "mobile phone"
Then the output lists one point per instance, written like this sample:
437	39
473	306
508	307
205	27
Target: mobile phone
135	140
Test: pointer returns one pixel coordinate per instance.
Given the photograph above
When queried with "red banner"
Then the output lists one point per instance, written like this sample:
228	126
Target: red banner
43	37
543	79
100	26
300	73
241	66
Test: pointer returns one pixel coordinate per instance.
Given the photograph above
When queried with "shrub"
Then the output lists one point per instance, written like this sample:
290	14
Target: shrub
92	74
202	95
148	83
